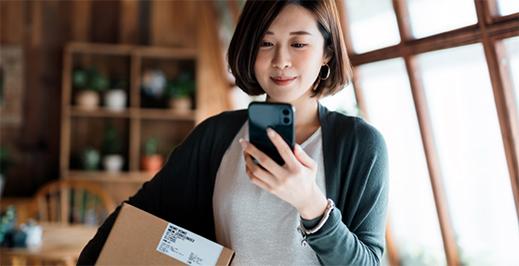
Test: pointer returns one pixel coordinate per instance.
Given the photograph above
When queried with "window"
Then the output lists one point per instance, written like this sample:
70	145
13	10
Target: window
468	139
512	61
507	7
373	24
470	216
412	213
430	17
344	101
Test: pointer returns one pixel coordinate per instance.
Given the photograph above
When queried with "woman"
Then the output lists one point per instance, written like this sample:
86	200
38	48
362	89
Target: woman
331	193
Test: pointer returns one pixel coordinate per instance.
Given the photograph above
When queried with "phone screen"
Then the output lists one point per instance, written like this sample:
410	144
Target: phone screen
279	117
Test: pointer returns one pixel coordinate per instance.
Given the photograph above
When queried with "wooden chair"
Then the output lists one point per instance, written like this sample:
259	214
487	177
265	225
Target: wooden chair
73	202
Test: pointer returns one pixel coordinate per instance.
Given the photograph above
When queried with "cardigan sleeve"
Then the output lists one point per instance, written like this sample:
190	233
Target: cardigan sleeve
362	241
150	196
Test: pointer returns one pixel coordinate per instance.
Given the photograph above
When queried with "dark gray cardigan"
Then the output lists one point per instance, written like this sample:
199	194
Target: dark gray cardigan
356	176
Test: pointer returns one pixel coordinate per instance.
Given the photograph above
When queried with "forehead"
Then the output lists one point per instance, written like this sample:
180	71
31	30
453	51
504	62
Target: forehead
293	19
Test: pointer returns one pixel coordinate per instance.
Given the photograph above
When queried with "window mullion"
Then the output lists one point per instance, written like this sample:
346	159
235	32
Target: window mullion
504	100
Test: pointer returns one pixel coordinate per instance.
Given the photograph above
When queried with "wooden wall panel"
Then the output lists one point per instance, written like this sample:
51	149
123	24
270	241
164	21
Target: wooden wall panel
213	86
173	23
105	21
129	22
12	15
42	28
81	12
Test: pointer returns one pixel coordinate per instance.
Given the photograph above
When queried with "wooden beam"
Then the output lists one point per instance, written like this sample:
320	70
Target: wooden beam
105	21
433	163
172	22
403	20
445	40
212	85
427	135
392	252
80	20
129	22
504	100
12	22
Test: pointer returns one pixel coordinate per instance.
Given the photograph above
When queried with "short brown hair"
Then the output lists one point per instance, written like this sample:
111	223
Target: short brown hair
254	21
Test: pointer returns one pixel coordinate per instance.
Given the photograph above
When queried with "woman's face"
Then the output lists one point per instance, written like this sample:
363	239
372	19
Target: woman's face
290	55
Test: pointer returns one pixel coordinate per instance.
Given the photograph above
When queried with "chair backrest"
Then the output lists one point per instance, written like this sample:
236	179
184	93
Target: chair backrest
73	201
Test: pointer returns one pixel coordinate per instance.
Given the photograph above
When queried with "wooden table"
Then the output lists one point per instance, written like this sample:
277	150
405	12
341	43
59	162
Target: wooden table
61	244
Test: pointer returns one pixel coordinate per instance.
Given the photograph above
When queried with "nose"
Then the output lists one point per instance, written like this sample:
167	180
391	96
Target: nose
281	59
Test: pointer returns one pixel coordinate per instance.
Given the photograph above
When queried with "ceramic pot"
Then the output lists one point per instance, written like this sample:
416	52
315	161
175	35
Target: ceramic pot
87	100
180	104
113	163
115	100
152	163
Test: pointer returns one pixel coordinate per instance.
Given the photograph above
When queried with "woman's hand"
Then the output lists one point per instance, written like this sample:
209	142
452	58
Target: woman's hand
293	182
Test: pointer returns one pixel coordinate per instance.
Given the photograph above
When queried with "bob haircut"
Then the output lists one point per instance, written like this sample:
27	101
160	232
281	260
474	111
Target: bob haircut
254	21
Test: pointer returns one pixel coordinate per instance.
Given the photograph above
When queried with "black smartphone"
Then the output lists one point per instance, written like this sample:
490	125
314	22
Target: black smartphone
279	117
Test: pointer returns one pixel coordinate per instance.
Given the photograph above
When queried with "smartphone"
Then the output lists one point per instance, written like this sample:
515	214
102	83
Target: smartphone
279	117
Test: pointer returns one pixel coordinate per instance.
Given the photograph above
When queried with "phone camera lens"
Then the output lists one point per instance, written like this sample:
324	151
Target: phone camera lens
286	120
286	112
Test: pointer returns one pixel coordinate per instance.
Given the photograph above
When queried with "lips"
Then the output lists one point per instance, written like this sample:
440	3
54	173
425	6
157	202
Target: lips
282	80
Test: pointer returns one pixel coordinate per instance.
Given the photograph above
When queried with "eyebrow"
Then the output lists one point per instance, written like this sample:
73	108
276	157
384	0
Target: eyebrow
301	32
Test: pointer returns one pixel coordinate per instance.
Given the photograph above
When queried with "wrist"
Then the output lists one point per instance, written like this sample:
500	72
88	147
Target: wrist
315	205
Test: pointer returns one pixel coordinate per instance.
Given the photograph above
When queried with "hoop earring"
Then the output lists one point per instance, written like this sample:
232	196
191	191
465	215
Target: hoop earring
327	73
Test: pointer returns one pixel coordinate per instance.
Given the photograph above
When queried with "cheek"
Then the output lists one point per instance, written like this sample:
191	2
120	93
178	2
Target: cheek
261	65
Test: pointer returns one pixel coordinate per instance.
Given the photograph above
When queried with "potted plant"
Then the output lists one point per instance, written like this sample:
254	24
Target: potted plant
115	98
89	84
90	158
180	92
151	161
113	161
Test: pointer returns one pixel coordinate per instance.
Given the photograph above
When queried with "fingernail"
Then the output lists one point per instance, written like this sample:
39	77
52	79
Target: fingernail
242	143
270	131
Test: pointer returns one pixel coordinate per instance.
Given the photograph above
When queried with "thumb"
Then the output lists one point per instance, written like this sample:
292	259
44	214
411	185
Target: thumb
303	157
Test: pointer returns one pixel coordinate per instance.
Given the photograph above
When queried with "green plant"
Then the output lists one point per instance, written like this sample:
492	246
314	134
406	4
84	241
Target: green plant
111	141
90	159
89	79
182	87
5	160
151	146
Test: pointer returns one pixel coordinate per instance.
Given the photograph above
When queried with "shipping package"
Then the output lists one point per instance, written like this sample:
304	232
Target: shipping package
139	238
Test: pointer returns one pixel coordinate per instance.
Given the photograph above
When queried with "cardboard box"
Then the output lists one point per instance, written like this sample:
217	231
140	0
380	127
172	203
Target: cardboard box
139	238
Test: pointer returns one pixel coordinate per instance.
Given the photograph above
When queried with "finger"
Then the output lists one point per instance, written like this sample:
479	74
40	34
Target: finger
259	172
263	159
304	158
258	182
284	150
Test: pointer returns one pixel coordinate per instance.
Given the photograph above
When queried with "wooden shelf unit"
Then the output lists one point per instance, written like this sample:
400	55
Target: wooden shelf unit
137	122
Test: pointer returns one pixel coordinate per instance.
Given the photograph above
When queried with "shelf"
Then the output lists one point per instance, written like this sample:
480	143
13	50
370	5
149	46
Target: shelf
166	114
99	48
162	53
100	112
102	176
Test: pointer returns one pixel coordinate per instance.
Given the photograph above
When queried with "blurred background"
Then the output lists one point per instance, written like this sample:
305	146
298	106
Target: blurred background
94	95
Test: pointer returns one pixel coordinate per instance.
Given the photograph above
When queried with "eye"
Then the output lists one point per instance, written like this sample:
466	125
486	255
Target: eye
266	44
299	45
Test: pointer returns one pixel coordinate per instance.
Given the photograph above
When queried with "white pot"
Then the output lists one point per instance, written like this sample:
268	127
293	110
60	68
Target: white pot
113	163
87	100
115	99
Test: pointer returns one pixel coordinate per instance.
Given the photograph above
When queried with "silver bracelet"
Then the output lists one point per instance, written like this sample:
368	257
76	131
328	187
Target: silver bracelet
329	209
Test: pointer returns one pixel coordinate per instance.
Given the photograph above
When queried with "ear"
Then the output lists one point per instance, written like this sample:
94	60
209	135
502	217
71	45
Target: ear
326	58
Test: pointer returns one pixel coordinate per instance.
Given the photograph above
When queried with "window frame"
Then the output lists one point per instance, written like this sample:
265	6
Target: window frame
490	30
